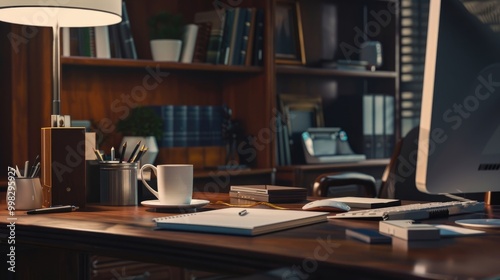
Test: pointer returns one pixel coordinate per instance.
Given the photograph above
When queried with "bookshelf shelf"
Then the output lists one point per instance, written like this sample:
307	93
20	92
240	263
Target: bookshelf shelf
310	71
141	63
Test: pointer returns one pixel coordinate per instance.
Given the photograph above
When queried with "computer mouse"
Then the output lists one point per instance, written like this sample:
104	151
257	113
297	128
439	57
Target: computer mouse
328	205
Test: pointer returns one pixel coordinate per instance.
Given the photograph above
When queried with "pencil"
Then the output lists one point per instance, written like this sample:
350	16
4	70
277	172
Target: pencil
142	152
122	153
132	155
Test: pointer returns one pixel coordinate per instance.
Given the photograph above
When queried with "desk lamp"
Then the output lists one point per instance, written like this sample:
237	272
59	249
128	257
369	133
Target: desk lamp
63	168
57	14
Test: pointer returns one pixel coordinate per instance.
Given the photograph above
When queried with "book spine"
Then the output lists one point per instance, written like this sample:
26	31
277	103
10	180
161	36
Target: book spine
127	40
180	126
84	41
200	51
167	114
66	41
102	42
114	41
258	53
248	36
216	126
205	121
368	124
227	36
188	43
193	126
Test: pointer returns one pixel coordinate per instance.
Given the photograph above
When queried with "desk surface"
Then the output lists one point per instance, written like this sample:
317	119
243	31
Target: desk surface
320	249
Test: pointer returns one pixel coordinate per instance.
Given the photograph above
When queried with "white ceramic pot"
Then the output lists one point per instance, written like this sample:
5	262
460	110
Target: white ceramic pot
148	141
166	49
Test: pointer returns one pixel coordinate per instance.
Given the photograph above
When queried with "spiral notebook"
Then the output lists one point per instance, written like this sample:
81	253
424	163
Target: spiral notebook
240	221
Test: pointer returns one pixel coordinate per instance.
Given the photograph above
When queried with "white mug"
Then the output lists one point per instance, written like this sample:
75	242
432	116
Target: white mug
28	193
175	183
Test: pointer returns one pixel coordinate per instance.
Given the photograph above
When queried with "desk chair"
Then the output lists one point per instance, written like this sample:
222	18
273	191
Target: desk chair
398	179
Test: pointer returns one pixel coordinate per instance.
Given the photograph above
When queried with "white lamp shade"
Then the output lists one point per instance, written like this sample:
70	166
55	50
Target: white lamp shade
62	13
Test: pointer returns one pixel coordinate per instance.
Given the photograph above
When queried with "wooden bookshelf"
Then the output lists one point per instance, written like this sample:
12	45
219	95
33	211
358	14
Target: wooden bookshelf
91	86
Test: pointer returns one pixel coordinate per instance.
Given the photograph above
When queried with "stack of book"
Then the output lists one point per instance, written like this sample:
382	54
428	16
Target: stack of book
268	193
235	37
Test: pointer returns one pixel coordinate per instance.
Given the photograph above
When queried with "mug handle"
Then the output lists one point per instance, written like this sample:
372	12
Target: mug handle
144	181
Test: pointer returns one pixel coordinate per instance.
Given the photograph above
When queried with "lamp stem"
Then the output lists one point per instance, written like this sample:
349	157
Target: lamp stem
56	78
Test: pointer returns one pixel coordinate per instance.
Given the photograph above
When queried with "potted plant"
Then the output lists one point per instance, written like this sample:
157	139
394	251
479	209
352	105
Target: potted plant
166	36
145	125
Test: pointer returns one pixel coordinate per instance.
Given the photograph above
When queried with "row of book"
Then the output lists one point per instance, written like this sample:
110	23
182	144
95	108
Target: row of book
114	41
190	126
378	125
232	37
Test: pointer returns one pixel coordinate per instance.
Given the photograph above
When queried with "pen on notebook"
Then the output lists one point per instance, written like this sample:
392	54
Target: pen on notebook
132	155
243	212
122	153
53	209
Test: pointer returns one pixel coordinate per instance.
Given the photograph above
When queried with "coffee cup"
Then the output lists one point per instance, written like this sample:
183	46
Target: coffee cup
174	183
27	193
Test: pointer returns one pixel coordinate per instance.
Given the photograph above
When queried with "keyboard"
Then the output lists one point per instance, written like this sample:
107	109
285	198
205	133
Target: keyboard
419	211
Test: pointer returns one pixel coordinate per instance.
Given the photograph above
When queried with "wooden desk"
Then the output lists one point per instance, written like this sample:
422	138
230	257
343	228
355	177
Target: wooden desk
58	246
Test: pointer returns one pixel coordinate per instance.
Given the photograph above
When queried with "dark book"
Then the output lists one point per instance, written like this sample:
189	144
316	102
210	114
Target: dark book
216	126
214	45
258	49
238	28
127	40
200	48
84	47
206	113
225	50
114	41
248	37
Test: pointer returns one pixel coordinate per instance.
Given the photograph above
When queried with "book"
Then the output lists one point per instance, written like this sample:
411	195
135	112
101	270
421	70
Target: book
216	32
225	50
188	43
102	44
248	36
268	193
258	49
367	202
240	221
127	40
200	49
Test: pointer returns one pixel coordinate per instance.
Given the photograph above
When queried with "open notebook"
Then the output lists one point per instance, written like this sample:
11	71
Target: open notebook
252	221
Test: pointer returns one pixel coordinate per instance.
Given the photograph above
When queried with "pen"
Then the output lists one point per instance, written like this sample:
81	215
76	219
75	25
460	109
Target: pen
26	166
141	153
35	170
98	155
132	155
112	153
243	212
35	163
53	209
134	159
122	153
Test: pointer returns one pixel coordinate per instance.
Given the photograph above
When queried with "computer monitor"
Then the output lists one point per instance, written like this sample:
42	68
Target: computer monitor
459	138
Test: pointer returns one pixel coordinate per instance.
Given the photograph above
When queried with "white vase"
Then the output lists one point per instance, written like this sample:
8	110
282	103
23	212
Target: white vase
148	141
166	49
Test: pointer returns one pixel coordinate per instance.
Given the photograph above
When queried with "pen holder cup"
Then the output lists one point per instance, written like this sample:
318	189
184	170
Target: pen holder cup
27	193
118	183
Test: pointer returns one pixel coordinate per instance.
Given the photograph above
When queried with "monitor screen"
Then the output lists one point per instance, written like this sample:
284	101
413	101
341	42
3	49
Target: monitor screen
459	138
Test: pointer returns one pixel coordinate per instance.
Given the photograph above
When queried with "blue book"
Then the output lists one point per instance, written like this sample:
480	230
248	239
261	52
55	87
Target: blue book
227	37
216	126
193	126
180	126
238	37
205	120
167	113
